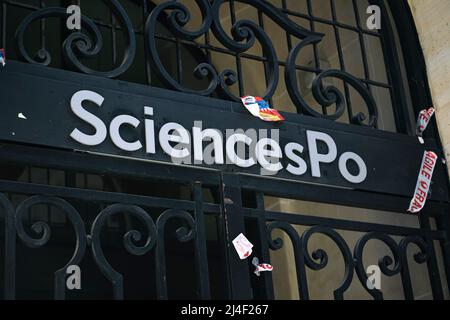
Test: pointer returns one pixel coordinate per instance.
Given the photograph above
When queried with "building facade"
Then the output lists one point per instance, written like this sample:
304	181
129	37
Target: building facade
128	164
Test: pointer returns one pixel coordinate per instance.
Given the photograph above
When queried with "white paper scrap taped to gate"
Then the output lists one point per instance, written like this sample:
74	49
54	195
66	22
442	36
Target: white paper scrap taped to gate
242	246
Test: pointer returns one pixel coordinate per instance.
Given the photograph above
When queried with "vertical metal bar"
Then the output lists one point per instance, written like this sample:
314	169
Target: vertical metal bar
433	269
361	41
47	177
394	73
148	72
288	35
238	270
3	26
29	180
207	50
113	39
406	276
311	24
443	223
263	244
237	55
42	27
179	62
266	71
201	252
315	49
341	59
160	268
10	249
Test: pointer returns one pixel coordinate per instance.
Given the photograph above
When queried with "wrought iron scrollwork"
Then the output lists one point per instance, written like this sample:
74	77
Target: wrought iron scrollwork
277	244
43	229
322	256
183	234
128	239
178	18
244	32
79	44
244	35
326	96
318	259
420	257
384	262
302	255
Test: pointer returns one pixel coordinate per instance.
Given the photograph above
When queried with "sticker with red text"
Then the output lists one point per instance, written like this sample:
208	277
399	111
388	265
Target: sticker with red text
261	267
242	246
423	182
423	120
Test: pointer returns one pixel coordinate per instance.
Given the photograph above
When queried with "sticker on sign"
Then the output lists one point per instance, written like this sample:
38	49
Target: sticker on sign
423	182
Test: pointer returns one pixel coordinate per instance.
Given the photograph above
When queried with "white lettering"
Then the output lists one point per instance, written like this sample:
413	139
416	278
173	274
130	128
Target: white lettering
114	131
182	137
275	152
317	158
301	164
361	176
78	110
231	154
210	134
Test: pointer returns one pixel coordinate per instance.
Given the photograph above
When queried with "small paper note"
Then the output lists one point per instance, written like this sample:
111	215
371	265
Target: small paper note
242	246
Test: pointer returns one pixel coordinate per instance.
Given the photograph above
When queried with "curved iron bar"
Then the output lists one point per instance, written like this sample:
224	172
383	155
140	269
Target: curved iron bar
322	256
327	96
383	263
277	244
10	248
272	63
178	18
244	35
241	31
421	257
80	43
44	229
247	31
183	234
128	239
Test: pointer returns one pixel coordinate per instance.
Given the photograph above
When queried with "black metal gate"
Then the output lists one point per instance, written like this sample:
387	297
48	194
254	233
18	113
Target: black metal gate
147	230
180	260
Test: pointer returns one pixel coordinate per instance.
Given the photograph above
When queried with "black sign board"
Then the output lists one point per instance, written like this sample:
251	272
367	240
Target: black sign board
35	104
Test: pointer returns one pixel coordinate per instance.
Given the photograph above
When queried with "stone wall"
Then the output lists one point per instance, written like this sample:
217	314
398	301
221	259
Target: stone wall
432	18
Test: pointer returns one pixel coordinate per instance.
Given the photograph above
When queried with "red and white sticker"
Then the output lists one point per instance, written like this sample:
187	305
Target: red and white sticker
261	267
243	246
423	120
423	182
